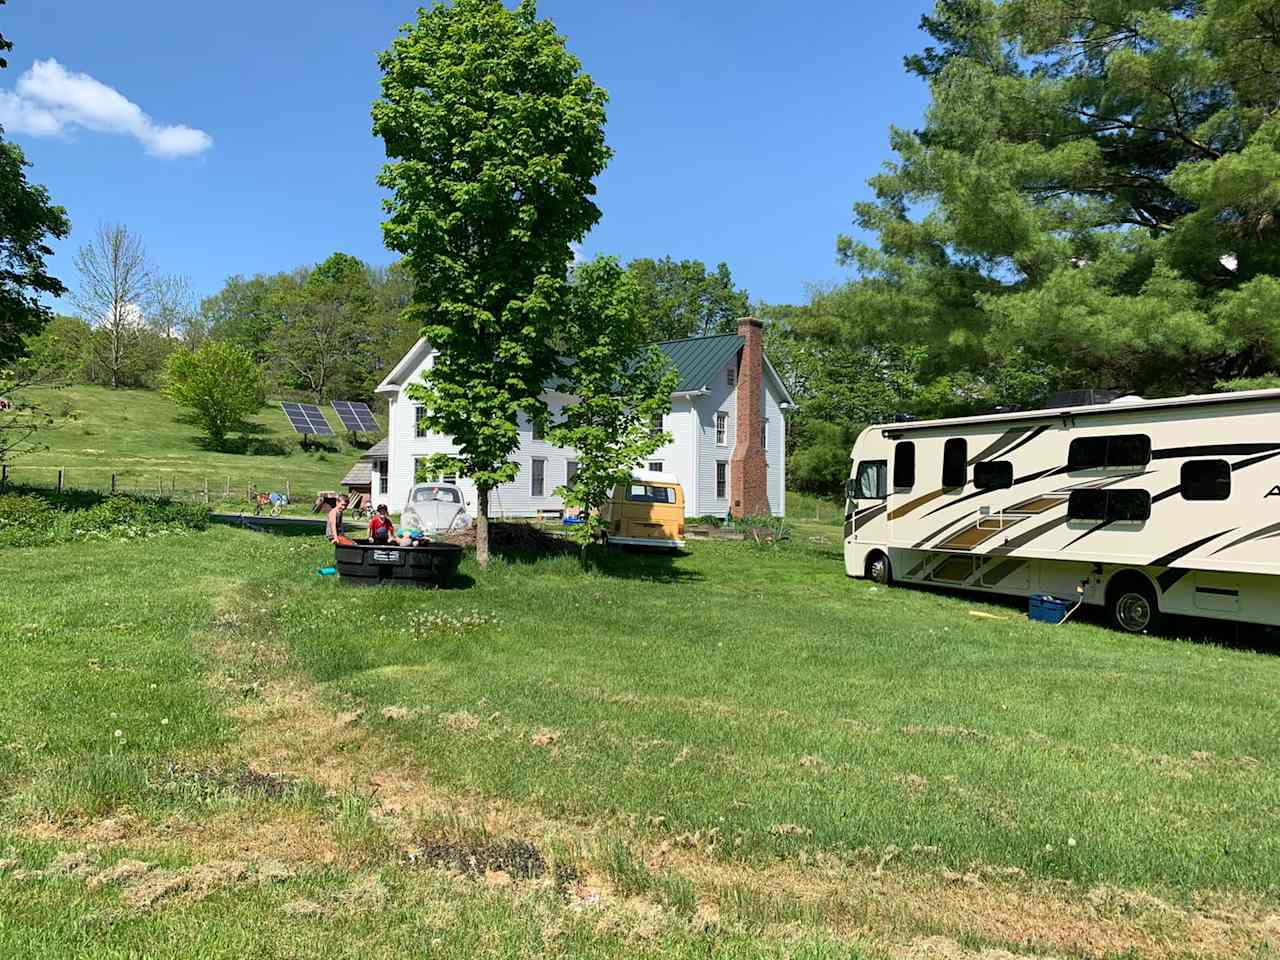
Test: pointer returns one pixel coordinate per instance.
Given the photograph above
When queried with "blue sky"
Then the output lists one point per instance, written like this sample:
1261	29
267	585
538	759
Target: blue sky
235	137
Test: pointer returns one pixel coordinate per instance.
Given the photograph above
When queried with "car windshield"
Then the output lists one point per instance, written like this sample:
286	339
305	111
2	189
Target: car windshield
443	494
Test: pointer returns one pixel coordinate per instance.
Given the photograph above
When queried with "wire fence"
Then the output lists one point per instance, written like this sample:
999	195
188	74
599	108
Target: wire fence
175	485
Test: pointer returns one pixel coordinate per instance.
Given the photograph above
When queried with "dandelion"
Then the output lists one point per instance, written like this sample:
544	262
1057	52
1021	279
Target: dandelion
1071	841
118	734
165	723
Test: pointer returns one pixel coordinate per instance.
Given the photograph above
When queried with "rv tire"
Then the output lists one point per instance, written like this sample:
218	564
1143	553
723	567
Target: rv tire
1132	604
878	569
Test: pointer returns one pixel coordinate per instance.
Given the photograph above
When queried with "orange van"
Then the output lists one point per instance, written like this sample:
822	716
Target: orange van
647	512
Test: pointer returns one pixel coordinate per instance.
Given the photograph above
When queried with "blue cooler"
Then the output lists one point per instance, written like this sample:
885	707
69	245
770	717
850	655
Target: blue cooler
1048	609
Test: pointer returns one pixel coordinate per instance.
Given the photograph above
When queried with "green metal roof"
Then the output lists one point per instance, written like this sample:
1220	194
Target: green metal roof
699	359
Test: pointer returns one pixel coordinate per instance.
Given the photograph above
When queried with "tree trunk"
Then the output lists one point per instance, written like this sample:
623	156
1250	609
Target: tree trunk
482	526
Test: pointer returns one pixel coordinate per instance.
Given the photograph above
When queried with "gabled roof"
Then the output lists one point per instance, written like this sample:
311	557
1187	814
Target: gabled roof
378	451
405	368
699	359
360	475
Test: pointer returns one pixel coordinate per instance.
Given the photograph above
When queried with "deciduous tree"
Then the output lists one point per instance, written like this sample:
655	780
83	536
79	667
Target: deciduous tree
684	299
619	385
219	383
114	294
494	135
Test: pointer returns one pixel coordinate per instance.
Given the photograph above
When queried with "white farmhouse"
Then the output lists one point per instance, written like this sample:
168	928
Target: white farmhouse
729	441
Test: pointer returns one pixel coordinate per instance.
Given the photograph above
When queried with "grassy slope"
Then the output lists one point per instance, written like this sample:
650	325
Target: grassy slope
751	695
141	436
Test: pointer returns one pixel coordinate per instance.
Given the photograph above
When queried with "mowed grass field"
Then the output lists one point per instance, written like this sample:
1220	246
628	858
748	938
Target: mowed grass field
210	750
147	441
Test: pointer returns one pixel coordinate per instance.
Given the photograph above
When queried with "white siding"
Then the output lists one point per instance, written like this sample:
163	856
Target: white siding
691	455
721	398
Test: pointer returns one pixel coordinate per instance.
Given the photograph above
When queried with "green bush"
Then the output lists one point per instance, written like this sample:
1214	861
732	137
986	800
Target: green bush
31	518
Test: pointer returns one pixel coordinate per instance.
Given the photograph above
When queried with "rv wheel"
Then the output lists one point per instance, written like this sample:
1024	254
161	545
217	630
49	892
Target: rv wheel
878	569
1133	607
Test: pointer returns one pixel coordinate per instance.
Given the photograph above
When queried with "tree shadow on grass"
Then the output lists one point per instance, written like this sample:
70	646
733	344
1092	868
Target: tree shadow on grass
614	562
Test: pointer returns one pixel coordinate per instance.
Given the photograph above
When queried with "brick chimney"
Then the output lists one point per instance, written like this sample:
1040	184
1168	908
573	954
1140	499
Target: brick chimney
749	472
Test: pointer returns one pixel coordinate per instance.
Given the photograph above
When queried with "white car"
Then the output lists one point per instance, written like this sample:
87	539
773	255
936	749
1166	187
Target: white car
435	508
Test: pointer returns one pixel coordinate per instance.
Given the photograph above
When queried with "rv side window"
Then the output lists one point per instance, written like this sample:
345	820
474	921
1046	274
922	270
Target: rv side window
955	459
1111	505
873	478
1130	450
993	475
1206	480
904	465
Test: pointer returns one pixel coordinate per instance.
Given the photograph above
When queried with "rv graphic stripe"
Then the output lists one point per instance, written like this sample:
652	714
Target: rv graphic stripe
1170	578
1174	555
1018	446
979	493
943	529
1002	441
1256	535
911	505
861	519
1214	450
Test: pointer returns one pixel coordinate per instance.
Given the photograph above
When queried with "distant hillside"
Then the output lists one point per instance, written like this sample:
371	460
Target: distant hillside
143	438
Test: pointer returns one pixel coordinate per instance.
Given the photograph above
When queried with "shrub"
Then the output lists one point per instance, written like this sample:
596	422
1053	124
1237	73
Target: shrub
29	518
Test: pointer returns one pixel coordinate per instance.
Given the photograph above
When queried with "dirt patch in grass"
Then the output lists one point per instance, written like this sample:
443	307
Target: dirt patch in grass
516	858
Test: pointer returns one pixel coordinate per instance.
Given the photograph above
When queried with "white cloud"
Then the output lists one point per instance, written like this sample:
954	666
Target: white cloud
51	100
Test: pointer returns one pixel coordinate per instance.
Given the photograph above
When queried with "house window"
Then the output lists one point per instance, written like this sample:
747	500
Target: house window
655	466
872	481
993	475
538	477
571	473
1206	480
1129	450
655	425
955	460
904	465
722	479
1110	505
383	479
535	427
722	429
420	428
764	433
731	376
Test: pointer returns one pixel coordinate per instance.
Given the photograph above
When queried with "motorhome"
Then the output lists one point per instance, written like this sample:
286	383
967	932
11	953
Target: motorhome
1146	507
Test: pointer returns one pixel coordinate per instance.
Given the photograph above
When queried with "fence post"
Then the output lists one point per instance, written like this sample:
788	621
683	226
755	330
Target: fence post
248	491
113	484
62	478
4	475
227	492
206	491
288	491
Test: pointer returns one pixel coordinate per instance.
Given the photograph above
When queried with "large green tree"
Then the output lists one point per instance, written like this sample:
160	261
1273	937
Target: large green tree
494	137
29	220
682	298
1092	200
620	384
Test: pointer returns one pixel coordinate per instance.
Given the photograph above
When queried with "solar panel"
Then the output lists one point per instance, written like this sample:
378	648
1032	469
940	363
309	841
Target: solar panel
306	418
356	417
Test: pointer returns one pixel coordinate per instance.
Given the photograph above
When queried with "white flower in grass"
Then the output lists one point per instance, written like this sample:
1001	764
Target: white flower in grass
165	723
1071	841
118	734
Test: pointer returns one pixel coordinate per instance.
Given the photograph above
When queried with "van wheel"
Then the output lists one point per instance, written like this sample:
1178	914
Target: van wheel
1133	607
878	569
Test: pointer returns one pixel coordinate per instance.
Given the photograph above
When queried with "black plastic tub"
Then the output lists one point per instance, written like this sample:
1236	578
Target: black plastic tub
369	564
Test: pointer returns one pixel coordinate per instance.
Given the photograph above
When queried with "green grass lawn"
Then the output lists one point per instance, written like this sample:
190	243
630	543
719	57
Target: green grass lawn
735	751
146	440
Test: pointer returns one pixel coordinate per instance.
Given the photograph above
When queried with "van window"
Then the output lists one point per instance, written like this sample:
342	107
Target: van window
1206	480
1128	450
993	475
904	465
646	493
873	480
1112	505
955	459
